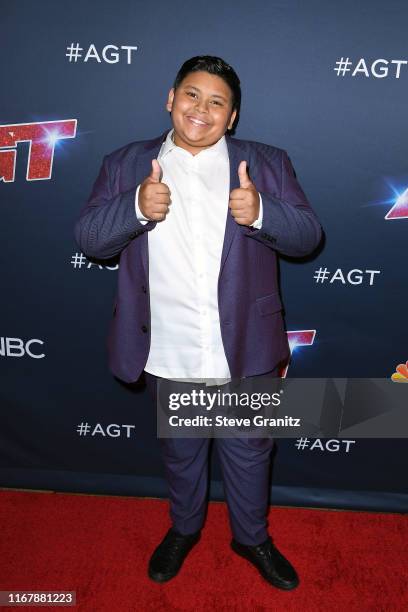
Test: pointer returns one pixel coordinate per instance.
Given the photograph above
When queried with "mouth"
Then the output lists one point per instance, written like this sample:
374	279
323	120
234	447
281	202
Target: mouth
196	122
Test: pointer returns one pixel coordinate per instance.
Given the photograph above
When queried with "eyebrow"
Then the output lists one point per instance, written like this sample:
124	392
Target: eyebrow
212	95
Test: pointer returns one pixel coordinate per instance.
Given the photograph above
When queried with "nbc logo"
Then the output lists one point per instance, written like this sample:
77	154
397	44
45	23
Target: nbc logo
401	373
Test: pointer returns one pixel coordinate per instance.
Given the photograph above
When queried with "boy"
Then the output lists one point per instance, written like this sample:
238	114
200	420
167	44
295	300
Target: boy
198	293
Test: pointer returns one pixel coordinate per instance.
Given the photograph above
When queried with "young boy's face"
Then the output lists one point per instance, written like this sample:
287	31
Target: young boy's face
201	111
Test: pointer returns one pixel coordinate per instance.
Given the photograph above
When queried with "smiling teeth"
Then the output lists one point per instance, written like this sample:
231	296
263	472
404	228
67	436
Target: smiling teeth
197	121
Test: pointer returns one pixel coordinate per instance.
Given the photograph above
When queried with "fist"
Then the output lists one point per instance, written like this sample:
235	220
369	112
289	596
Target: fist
154	196
244	201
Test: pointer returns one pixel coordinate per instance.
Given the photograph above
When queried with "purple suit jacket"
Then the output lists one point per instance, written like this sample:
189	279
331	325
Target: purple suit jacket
249	303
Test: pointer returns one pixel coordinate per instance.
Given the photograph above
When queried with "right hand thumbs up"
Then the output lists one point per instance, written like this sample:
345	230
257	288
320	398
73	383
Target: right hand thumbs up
154	196
156	172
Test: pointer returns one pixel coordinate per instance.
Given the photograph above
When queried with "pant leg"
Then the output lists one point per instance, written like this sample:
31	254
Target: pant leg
245	464
186	470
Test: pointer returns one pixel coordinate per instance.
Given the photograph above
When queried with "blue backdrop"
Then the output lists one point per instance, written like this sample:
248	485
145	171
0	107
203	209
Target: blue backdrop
325	81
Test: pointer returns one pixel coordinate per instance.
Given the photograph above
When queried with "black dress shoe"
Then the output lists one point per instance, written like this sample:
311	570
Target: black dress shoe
168	557
270	563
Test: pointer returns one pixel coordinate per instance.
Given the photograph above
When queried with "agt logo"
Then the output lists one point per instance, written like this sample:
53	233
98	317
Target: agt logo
113	430
42	138
111	54
400	208
303	337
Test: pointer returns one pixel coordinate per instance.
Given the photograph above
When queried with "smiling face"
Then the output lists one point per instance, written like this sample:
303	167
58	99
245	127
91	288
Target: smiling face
201	111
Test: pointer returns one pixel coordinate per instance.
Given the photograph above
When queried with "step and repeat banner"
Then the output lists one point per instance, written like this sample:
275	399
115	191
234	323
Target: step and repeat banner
325	82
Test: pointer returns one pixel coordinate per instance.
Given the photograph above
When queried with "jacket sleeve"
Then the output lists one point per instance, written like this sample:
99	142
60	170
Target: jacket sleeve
289	224
108	221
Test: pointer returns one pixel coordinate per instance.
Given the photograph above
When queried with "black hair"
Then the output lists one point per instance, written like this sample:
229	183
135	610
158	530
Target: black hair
217	66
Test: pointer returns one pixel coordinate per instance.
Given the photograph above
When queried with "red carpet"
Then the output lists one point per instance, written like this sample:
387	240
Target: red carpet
100	546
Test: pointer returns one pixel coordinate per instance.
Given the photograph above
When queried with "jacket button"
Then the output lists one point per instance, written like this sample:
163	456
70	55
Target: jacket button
144	289
144	329
132	235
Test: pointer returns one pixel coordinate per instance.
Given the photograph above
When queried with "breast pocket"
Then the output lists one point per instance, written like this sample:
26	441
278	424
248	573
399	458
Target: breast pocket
269	304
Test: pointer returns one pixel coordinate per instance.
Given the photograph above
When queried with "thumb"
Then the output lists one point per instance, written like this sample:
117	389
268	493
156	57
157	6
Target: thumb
156	172
244	180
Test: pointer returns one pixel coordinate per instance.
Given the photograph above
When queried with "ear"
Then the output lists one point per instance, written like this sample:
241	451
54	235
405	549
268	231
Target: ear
170	99
231	122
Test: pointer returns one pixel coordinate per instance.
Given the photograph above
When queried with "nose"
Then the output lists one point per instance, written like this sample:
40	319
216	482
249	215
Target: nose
202	106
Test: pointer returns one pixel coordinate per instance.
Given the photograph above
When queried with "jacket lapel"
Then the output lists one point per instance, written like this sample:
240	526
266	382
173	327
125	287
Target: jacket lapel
231	228
144	159
143	169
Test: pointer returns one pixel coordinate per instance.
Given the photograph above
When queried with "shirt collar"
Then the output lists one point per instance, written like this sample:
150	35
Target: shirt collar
220	147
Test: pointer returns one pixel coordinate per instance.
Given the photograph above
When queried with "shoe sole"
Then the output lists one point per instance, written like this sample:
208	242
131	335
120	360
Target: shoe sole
278	585
161	577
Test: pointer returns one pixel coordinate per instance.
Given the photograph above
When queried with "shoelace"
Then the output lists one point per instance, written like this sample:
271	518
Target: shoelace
265	550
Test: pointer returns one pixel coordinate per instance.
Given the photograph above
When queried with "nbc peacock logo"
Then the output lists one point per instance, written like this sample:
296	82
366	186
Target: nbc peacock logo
401	373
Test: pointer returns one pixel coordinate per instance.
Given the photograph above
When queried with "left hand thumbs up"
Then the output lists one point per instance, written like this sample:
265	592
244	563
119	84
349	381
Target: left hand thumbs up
244	180
244	201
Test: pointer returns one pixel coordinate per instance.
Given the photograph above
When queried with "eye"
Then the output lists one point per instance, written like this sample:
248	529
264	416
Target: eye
217	103
191	93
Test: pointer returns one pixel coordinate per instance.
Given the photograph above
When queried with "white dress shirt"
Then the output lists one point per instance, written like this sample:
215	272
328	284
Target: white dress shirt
184	261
